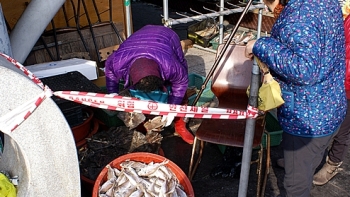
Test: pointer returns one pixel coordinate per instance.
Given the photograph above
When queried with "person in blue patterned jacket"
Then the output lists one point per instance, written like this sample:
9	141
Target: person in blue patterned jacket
306	55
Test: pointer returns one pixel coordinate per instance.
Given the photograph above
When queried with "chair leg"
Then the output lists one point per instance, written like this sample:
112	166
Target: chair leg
267	170
192	157
192	169
259	170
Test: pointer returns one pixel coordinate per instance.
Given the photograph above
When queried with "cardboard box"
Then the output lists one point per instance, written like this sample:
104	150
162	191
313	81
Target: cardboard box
101	79
86	67
105	52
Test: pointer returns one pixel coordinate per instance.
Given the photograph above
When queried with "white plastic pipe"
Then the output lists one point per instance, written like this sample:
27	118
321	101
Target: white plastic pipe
5	46
31	25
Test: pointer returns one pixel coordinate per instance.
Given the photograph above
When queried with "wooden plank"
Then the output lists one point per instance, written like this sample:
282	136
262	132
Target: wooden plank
65	49
81	55
41	57
78	46
108	41
30	59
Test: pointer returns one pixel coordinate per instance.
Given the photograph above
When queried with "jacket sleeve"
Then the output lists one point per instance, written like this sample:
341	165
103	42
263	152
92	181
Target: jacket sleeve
300	51
178	75
347	48
178	50
112	81
179	83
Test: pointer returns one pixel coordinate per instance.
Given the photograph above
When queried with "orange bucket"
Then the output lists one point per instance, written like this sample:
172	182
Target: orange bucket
81	131
145	158
94	130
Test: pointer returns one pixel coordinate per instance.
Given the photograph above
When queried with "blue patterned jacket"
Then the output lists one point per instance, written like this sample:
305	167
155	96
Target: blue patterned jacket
306	55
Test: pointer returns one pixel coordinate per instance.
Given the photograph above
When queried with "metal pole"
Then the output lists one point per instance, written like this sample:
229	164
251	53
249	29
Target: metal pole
127	17
250	124
31	25
165	12
204	48
221	21
200	17
5	45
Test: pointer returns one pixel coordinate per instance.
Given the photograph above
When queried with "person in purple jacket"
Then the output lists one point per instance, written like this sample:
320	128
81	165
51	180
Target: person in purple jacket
306	55
151	59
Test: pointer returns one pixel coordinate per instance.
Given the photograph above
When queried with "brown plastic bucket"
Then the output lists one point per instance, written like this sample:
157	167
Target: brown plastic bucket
93	130
145	158
81	131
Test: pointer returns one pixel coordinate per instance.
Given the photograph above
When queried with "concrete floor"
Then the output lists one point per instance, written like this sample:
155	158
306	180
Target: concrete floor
200	62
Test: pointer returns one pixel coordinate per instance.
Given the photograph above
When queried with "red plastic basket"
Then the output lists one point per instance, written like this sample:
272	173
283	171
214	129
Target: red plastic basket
146	158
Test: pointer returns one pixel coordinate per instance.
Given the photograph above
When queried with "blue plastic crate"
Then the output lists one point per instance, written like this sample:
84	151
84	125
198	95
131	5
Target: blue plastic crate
194	80
197	81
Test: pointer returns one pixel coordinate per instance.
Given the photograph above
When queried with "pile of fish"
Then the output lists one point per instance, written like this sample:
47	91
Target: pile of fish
141	180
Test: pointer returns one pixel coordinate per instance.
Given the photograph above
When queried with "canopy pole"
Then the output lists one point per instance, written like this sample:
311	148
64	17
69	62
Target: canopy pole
5	45
127	17
31	25
250	124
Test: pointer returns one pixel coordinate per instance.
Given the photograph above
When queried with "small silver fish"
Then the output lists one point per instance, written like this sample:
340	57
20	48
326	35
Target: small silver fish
163	189
106	186
124	192
110	172
135	165
180	191
171	186
110	191
151	168
137	179
136	193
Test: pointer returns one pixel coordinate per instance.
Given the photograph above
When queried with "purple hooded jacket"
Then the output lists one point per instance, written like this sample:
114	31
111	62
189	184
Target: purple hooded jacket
157	43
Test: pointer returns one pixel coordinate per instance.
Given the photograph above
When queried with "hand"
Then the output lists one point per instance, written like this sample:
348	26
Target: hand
263	67
249	49
168	118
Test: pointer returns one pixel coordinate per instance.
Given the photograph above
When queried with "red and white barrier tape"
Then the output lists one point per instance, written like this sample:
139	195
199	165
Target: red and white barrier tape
13	119
127	104
25	70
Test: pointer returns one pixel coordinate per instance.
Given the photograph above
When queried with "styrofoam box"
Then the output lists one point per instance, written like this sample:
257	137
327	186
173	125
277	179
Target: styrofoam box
86	67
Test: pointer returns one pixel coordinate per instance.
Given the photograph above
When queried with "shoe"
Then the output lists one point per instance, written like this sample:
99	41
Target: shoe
180	128
280	163
327	172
